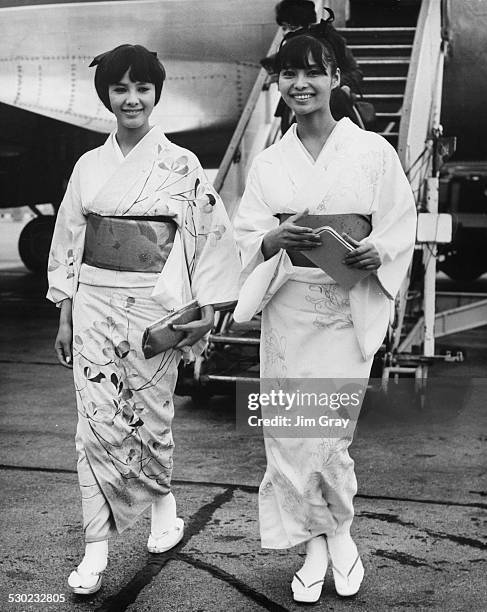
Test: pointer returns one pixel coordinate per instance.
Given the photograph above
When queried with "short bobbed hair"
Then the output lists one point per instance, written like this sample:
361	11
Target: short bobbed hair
295	12
296	52
142	64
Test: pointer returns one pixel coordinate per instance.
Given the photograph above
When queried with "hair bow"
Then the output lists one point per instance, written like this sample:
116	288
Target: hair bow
317	30
331	14
98	59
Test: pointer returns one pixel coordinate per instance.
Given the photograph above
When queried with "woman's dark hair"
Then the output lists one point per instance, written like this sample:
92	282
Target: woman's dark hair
339	55
295	12
297	51
112	65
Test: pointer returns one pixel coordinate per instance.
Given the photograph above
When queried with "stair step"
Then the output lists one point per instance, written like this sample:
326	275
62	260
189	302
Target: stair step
383	84
376	35
386	105
385	79
383	60
383	67
381	47
384	13
381	50
380	96
392	30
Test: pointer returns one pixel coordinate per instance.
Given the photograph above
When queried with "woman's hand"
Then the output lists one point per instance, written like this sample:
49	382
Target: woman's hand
364	257
63	345
195	330
290	236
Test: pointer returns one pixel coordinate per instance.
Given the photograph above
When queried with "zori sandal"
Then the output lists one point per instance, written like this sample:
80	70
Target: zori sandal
306	593
348	584
82	583
167	539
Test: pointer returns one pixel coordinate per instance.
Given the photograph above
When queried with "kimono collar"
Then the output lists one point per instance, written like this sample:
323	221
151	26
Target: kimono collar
135	185
290	141
154	136
311	179
116	147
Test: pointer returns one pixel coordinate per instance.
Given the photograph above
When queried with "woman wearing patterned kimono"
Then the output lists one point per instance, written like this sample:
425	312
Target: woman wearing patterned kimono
311	326
140	232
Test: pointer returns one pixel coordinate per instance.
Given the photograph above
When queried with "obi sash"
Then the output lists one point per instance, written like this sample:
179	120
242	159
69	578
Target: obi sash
128	244
355	225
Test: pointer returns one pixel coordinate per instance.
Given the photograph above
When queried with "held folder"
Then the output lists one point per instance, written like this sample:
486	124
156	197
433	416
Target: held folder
355	225
329	257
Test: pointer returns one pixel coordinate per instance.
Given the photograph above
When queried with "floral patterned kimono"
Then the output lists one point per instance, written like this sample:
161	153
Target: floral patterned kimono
125	407
312	327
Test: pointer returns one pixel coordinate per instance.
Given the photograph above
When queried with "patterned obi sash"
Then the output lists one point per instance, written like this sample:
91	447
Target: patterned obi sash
355	225
128	244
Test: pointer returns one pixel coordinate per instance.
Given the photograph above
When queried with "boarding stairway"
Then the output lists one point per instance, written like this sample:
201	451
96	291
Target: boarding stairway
383	55
403	69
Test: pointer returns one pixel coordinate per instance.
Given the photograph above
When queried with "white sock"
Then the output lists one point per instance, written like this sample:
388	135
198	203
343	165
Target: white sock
96	557
315	564
343	552
163	514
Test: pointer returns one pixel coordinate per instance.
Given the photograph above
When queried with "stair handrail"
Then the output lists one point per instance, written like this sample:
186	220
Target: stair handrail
245	117
422	96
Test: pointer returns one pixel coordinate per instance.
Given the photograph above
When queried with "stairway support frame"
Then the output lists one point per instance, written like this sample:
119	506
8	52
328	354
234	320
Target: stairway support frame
419	131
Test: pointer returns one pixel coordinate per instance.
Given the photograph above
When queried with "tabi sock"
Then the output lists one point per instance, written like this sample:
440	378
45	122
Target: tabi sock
315	564
343	552
95	559
163	515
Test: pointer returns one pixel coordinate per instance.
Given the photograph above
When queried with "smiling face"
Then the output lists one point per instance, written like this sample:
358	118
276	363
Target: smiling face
132	103
307	89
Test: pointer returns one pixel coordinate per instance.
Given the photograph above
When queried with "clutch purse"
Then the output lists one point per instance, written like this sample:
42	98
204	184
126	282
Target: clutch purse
355	225
329	257
159	336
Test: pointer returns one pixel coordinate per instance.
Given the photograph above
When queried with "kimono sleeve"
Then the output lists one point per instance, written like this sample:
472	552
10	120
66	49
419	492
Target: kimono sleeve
215	270
393	223
67	244
253	220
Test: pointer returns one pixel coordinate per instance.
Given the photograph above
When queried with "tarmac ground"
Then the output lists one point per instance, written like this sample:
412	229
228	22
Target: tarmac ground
420	511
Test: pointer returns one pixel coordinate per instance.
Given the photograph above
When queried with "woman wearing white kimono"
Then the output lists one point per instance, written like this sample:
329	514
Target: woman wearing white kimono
140	232
311	326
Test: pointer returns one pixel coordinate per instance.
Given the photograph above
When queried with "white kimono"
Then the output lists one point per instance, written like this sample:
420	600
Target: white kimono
312	327
125	405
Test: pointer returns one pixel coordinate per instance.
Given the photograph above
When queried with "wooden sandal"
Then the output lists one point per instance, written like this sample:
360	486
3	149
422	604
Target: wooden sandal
168	539
84	584
306	593
348	584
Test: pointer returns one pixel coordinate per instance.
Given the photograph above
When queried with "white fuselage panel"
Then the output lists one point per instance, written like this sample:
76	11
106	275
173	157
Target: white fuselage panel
210	49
